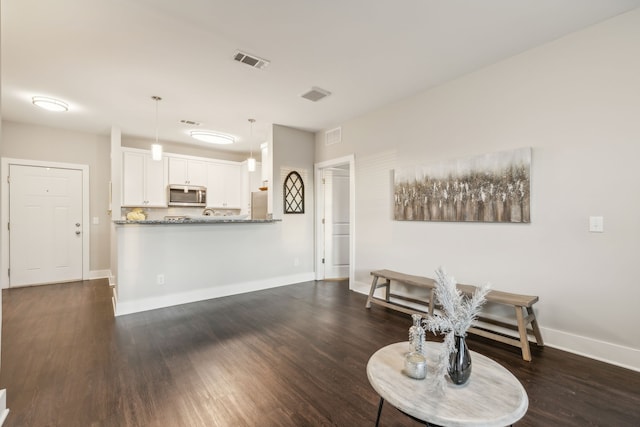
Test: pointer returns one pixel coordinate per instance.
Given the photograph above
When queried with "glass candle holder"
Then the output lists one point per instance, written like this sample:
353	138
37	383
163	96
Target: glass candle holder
415	365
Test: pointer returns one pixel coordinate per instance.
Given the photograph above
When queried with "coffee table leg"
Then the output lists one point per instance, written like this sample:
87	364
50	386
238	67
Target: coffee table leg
379	411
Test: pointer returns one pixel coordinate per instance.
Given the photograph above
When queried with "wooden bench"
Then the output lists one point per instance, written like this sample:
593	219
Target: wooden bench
523	305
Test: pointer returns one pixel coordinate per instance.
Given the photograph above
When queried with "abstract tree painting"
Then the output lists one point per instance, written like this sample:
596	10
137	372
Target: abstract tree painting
490	188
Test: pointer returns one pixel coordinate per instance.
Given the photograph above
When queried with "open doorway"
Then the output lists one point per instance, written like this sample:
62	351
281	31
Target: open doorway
334	219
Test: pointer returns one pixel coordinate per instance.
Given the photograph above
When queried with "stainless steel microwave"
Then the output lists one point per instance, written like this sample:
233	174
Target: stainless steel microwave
187	195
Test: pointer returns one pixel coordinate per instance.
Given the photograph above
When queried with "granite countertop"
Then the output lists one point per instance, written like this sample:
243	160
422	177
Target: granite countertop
207	220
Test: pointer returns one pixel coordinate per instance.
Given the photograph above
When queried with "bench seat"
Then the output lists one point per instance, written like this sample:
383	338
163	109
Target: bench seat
523	305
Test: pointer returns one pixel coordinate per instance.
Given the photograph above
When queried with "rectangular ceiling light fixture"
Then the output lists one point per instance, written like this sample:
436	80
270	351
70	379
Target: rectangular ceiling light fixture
316	94
251	60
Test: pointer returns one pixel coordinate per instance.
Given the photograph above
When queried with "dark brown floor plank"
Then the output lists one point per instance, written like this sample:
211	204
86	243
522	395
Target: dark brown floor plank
290	356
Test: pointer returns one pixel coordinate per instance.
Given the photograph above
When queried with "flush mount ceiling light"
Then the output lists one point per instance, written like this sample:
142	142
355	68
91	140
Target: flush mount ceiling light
50	104
211	137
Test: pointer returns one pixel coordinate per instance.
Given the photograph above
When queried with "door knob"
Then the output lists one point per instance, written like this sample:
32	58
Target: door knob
77	231
77	224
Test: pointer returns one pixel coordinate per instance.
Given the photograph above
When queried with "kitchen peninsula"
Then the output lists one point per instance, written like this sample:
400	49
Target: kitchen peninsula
163	263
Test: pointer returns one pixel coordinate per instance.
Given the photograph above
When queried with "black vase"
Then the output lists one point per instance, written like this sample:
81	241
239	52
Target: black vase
460	362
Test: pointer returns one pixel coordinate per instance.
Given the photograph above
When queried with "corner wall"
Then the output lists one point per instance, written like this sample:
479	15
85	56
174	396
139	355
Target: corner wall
576	102
293	149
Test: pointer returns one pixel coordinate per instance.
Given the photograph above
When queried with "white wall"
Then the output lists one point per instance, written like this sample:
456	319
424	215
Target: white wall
32	142
576	102
294	150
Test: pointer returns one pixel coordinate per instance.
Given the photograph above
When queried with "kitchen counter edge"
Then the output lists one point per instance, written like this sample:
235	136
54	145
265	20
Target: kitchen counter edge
195	221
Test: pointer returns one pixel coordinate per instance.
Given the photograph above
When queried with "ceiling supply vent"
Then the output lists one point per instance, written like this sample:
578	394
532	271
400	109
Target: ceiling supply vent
316	94
251	60
333	136
190	123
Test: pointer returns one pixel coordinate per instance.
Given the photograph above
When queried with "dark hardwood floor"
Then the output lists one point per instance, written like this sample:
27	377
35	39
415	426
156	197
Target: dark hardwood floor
290	356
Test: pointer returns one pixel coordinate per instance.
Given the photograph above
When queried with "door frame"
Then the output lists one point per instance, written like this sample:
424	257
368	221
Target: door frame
5	163
319	192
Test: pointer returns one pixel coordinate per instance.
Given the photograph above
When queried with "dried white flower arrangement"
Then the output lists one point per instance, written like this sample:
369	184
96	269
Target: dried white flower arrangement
458	314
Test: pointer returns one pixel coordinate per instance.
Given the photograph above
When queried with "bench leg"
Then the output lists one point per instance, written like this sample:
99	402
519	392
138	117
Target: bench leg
432	301
522	329
387	286
374	286
535	327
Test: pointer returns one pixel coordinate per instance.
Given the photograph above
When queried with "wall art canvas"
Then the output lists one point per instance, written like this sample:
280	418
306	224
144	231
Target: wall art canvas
490	188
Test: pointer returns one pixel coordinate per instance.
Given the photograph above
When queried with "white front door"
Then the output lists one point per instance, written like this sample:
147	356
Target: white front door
336	223
45	225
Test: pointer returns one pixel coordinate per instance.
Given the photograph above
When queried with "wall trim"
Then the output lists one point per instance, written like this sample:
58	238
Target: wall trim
4	412
99	274
319	211
145	304
613	354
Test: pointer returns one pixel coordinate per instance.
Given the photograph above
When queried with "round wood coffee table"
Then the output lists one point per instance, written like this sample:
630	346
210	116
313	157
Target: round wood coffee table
492	397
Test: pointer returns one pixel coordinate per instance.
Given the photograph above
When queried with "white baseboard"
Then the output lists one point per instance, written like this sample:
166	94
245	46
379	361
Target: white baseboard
625	357
360	287
114	299
614	354
99	274
136	306
4	412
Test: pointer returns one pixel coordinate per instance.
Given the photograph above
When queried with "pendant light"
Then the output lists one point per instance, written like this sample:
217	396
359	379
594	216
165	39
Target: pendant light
251	162
156	149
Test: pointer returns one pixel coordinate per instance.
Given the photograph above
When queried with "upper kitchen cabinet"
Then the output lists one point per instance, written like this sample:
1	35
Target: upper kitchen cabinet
184	171
144	180
224	185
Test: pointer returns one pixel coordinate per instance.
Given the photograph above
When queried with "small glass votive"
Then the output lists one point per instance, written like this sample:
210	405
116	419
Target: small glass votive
415	365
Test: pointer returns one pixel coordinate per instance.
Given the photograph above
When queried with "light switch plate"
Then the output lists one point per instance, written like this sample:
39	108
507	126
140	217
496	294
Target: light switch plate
596	224
96	220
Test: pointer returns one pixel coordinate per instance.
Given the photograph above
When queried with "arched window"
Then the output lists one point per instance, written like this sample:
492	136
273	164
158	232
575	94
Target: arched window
293	193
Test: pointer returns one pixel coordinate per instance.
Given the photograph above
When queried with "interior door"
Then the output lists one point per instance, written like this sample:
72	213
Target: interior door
45	225
336	223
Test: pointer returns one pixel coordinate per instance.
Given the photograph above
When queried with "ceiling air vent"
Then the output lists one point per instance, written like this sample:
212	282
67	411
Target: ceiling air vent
316	94
333	136
251	60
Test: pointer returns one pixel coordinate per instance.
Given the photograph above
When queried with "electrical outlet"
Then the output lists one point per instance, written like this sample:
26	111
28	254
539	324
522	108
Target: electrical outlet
160	279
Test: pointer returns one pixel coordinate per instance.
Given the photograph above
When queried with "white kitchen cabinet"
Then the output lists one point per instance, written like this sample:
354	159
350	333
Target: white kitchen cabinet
144	180
187	171
224	185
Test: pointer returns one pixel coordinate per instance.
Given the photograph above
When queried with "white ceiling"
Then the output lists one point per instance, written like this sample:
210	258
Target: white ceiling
106	58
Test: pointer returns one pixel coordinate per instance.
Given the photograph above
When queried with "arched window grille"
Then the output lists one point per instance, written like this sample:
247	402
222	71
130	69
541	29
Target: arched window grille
293	193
